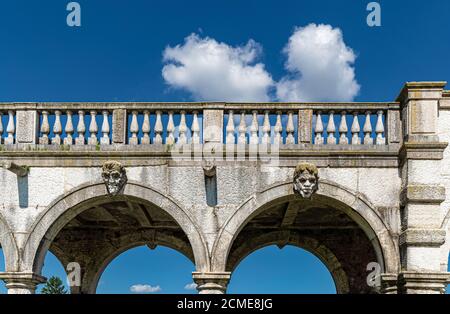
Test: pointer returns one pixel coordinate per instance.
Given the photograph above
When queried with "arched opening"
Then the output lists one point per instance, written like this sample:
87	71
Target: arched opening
3	289
53	267
148	270
339	227
89	228
282	270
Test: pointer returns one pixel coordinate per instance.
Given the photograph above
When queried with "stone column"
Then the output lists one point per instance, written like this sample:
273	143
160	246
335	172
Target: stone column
21	283
211	283
422	193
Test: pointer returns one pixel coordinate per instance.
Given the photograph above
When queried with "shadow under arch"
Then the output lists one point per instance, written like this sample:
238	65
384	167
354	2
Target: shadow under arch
355	205
311	245
66	207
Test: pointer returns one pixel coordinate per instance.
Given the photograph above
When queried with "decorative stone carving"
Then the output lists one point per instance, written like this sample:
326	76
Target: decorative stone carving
114	176
306	180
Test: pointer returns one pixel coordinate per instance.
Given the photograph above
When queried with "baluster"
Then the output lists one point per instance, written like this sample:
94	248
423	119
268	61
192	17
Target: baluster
45	129
182	129
266	128
68	140
81	129
10	128
319	129
331	129
170	139
254	128
1	127
290	129
57	128
195	128
379	129
145	139
158	128
105	129
134	128
93	129
343	129
368	130
278	128
242	129
230	128
355	130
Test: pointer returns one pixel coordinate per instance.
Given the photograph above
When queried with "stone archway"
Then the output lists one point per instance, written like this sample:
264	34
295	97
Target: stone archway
363	220
53	227
282	238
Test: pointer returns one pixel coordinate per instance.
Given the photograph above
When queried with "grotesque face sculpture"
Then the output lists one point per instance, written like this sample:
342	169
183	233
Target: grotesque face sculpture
114	176
306	180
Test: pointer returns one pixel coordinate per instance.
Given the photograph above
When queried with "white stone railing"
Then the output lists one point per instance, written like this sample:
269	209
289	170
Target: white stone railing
197	123
346	128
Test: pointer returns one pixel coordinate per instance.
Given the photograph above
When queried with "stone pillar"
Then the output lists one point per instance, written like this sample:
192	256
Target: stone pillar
213	126
305	117
21	283
211	283
420	157
26	126
119	126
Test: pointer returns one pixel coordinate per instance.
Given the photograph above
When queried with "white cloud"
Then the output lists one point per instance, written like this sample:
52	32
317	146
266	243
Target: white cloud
139	288
190	286
320	66
214	71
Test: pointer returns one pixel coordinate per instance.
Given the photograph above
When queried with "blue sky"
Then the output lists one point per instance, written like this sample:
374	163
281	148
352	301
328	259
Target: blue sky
117	55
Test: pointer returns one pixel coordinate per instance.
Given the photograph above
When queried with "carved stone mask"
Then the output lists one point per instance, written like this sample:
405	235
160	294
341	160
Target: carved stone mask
306	180
114	176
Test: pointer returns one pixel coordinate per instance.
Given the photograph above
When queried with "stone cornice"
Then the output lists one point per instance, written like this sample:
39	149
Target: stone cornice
415	90
423	150
384	156
422	237
431	194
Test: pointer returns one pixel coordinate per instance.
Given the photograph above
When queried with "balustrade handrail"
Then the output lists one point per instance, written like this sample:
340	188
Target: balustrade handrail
189	106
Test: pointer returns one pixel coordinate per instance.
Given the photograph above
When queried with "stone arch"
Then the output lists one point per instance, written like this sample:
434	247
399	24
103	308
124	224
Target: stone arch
354	204
110	256
9	246
323	253
66	207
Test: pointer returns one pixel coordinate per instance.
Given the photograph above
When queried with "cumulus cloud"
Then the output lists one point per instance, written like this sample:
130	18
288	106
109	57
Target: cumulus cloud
215	71
190	286
139	288
319	65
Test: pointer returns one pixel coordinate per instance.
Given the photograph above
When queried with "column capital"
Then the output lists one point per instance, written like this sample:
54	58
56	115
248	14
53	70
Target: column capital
21	282
211	282
423	282
389	283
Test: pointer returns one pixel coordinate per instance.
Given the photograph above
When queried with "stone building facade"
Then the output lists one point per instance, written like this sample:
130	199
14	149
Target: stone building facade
217	181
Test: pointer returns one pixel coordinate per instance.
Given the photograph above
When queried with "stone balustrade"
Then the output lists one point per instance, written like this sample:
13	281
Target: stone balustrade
184	123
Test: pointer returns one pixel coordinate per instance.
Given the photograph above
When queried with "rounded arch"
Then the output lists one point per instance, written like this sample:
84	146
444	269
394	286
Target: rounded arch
93	274
66	207
355	205
323	253
9	246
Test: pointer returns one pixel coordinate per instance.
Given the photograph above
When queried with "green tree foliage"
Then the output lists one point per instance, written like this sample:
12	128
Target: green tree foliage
54	285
